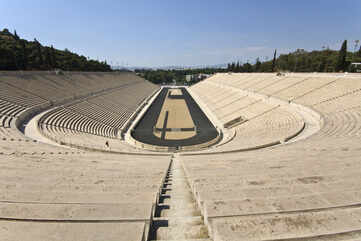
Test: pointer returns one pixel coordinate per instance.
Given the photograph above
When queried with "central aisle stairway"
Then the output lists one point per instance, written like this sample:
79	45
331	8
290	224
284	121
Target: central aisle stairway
177	216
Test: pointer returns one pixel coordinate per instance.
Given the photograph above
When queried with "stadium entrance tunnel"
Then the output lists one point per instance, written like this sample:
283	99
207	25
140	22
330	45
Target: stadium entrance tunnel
175	120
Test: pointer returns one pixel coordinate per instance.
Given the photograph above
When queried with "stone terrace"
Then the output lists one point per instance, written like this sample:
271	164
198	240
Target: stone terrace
298	189
305	190
50	192
78	197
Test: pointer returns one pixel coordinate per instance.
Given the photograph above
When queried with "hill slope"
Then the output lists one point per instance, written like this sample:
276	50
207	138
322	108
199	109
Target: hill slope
20	54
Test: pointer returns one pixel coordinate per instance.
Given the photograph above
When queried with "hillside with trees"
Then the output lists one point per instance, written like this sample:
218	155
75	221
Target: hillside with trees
20	54
325	60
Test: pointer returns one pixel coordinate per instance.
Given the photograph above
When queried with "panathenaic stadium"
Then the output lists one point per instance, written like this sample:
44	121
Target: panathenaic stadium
113	157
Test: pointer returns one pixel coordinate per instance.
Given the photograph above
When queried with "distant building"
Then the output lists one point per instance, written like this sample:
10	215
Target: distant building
196	77
203	76
357	66
189	77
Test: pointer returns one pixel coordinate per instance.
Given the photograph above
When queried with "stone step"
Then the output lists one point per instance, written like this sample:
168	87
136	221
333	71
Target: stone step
185	194
178	184
177	187
178	192
178	205
202	239
177	221
187	198
182	232
179	212
178	172
178	178
178	201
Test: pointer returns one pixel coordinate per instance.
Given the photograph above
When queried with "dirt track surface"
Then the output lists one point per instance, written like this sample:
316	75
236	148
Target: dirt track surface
175	114
178	113
144	130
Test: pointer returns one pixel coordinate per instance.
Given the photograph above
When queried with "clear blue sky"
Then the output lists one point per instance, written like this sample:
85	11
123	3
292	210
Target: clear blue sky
184	32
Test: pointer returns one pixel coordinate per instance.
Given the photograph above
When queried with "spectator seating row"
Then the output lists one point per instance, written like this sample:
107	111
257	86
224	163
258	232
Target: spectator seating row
304	190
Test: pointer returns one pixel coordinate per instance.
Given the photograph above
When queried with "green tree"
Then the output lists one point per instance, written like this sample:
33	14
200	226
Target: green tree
233	67
24	55
322	65
238	67
53	57
7	59
274	60
341	64
257	67
48	61
6	32
16	36
247	67
39	54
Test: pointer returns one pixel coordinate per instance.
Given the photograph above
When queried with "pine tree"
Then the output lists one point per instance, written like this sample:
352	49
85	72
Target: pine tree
257	67
233	65
341	64
322	66
24	55
247	67
48	62
53	57
6	31
274	61
16	36
39	53
238	68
